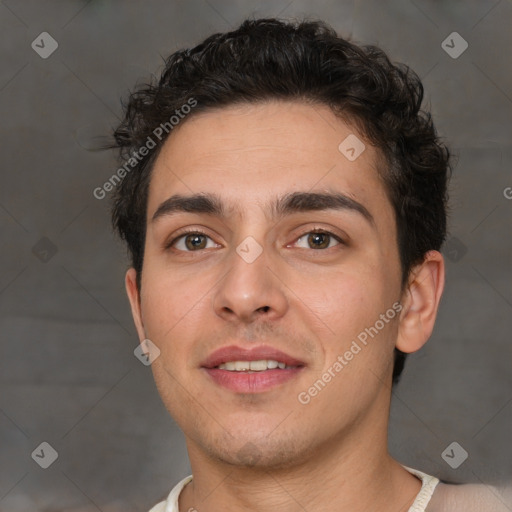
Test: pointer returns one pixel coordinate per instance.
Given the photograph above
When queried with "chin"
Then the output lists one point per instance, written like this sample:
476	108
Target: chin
268	451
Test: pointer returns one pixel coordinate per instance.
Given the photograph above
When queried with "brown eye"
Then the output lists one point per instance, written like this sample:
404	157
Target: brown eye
192	242
319	240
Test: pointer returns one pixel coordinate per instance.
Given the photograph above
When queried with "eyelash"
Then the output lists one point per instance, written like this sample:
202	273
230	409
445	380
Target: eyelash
199	232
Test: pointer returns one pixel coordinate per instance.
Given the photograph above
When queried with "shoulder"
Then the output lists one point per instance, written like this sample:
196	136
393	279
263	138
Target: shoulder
470	498
159	507
171	504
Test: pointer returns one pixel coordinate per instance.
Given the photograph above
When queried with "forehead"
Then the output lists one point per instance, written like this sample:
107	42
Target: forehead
245	153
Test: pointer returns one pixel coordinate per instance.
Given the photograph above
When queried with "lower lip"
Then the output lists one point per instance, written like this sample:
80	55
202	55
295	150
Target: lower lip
256	382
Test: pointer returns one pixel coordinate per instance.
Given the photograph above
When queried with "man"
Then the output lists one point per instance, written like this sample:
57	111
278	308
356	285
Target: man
284	204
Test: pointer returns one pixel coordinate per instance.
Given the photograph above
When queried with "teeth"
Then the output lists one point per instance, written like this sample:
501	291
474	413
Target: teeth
255	366
258	366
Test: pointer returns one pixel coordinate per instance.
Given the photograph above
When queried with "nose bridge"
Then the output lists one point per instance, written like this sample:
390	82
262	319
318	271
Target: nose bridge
250	286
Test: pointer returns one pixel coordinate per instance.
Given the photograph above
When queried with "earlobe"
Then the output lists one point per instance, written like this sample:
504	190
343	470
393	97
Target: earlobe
134	297
420	303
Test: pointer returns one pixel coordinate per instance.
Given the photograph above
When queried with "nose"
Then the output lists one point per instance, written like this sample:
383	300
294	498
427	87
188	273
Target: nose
250	290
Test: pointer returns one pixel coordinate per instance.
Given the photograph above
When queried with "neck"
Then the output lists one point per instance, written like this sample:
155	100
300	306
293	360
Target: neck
352	471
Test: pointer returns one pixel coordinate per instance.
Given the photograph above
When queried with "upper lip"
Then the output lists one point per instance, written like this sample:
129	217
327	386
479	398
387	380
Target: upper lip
263	352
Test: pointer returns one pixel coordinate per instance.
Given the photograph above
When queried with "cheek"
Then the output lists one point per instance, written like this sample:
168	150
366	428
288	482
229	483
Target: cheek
349	305
343	299
171	305
173	311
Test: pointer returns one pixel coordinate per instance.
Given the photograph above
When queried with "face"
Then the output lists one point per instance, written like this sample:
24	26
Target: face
293	259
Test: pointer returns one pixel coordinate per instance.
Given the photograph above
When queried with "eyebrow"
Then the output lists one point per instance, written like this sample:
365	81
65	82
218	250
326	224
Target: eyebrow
294	202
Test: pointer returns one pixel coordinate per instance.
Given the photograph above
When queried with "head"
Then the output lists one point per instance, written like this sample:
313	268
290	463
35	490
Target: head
311	154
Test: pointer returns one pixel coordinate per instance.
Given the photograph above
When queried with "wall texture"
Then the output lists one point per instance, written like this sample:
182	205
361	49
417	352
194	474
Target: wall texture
68	375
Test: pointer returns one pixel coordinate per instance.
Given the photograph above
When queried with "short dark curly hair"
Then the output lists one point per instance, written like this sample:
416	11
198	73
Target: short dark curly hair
268	59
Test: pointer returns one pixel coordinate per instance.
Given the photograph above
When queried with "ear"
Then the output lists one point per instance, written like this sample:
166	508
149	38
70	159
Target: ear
134	297
420	303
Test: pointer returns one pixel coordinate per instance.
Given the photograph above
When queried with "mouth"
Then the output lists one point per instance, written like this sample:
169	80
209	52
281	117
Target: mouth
251	371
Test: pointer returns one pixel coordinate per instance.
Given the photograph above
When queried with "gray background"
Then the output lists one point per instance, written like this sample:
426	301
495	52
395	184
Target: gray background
67	370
